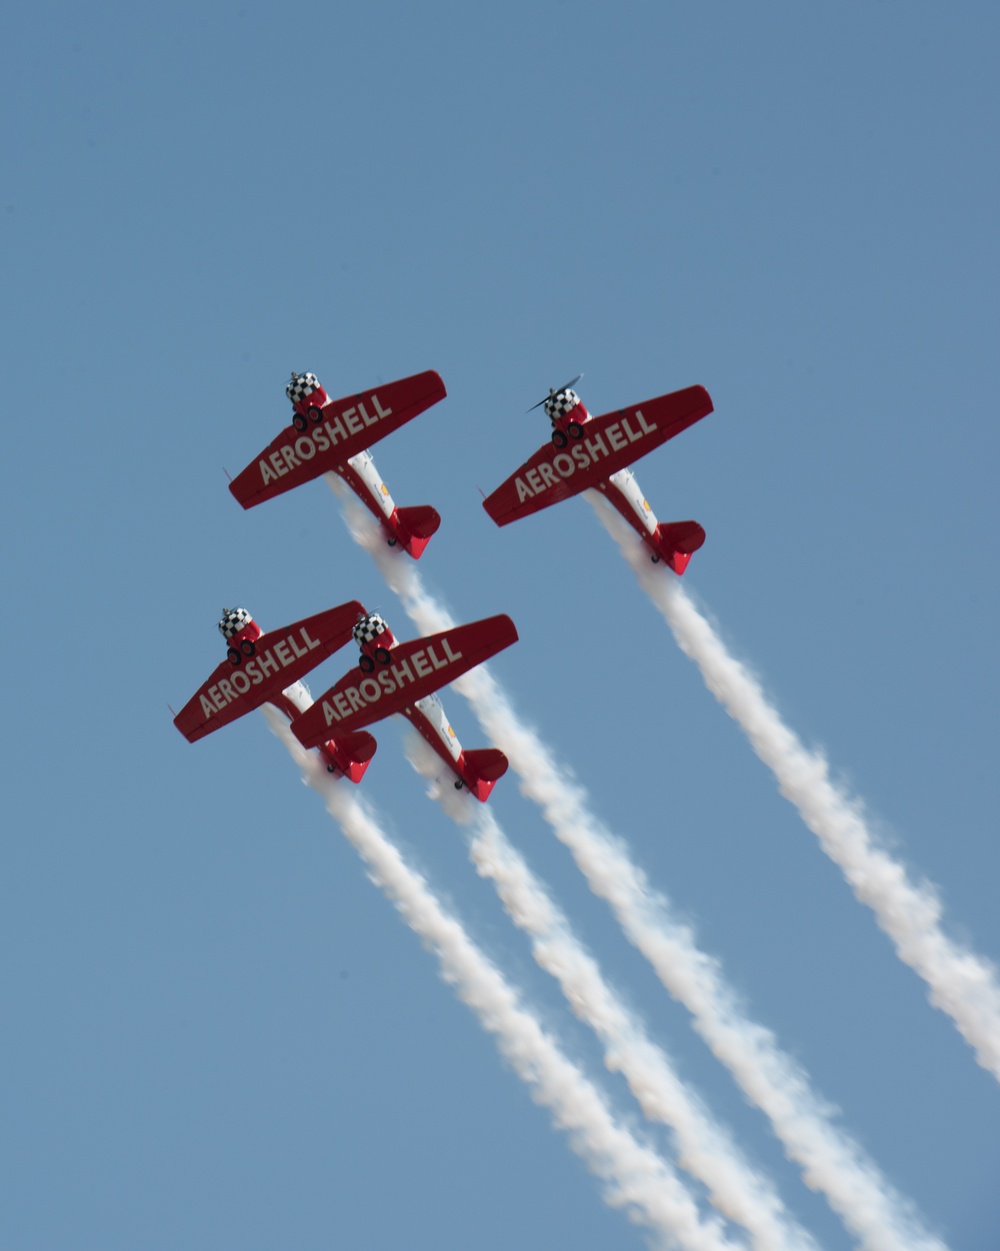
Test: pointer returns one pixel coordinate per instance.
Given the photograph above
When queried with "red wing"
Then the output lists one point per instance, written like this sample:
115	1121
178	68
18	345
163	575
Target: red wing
347	427
282	658
415	669
609	443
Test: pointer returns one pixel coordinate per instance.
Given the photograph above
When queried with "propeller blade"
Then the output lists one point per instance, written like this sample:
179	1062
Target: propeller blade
572	383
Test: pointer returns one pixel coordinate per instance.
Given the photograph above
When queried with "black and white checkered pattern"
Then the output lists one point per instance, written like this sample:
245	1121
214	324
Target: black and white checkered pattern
369	628
300	386
560	403
233	620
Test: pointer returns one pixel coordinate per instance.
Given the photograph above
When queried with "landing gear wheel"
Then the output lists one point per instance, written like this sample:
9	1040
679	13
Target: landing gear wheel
367	664
331	768
655	559
382	655
248	647
315	414
392	542
459	784
575	430
559	438
299	422
234	657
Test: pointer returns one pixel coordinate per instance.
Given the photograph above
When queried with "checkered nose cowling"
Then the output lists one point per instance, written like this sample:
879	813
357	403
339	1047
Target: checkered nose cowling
560	403
300	386
232	621
369	628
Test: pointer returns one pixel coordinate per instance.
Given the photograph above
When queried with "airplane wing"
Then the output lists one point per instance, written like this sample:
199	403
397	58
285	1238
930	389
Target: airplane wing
282	658
415	669
346	427
609	443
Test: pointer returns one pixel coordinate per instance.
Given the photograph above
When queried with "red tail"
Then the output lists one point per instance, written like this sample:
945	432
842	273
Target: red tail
483	769
675	541
350	754
417	525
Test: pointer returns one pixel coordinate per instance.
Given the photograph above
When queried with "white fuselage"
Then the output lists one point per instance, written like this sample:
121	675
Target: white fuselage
625	484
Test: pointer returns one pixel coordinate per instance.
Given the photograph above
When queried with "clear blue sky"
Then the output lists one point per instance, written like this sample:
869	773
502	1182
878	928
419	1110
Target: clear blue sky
218	1034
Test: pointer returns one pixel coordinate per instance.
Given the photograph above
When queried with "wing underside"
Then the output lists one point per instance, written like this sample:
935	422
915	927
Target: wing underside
344	428
414	670
605	445
281	658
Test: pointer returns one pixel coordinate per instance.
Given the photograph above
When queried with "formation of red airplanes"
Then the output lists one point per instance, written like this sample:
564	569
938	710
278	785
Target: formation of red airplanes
333	436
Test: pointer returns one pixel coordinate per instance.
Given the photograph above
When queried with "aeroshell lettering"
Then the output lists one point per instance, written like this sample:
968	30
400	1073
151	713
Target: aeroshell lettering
276	656
587	452
333	430
396	676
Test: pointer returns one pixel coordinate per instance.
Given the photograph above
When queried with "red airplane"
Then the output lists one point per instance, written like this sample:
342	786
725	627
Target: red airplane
333	436
402	677
596	452
267	669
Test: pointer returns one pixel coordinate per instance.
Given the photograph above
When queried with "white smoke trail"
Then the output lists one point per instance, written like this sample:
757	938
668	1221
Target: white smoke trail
831	1162
635	1178
961	983
703	1148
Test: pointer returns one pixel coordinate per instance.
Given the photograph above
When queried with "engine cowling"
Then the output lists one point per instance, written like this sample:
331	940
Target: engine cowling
241	632
234	621
369	628
561	403
305	391
301	386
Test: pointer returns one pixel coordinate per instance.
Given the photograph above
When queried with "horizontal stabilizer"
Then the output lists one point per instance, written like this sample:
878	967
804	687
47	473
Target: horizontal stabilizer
418	524
351	753
487	763
483	769
360	745
421	520
675	541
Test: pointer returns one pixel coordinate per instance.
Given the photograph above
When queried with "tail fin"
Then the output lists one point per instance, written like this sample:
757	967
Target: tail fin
483	769
675	541
350	754
418	525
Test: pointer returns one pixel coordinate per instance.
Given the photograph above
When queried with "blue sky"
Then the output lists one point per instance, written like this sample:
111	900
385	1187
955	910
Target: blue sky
218	1032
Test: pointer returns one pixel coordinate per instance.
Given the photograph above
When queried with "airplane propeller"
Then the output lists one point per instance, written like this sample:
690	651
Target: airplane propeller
572	382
